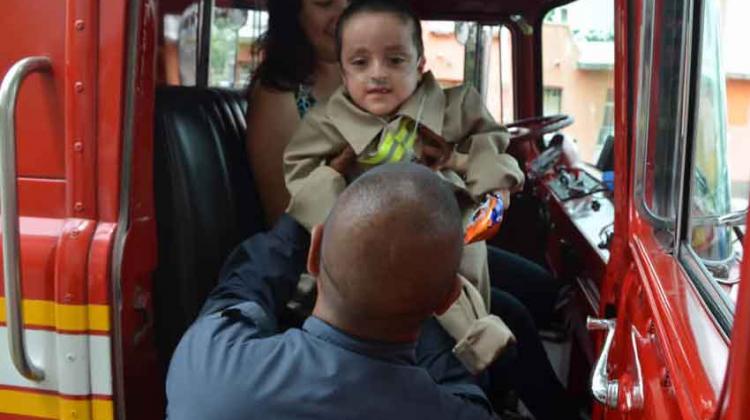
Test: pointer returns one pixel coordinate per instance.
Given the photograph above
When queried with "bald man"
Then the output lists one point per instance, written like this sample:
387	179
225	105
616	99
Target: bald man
354	358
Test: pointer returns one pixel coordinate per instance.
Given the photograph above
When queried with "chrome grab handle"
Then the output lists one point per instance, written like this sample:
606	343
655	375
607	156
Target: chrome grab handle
9	209
604	390
634	395
734	218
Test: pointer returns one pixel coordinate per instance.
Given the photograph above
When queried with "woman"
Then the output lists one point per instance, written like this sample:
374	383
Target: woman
299	69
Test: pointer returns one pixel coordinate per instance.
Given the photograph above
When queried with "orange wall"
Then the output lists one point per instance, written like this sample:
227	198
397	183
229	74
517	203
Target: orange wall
584	92
738	107
445	57
738	102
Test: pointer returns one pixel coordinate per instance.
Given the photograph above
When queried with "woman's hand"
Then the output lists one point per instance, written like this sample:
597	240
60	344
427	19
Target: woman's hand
343	161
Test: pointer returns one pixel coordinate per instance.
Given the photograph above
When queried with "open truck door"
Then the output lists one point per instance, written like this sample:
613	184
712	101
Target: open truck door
77	215
672	296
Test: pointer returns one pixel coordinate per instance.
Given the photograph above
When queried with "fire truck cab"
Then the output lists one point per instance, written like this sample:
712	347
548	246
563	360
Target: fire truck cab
124	184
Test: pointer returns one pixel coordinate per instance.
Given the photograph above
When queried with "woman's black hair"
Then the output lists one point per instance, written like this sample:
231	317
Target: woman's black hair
288	56
396	7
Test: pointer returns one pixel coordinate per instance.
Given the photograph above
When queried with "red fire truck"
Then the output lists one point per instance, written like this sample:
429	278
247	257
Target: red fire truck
121	196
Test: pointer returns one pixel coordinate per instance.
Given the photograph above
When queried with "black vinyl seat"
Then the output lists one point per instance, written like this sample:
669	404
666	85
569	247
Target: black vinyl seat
205	199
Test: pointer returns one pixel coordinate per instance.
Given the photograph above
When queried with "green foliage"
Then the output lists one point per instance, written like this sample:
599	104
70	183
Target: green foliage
224	43
597	35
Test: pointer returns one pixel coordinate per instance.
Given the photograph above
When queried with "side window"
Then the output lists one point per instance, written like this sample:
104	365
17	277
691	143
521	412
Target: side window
179	50
234	50
451	54
578	53
720	144
445	49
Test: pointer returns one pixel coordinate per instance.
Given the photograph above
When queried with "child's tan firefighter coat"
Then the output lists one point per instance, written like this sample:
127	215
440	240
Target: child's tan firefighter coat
476	166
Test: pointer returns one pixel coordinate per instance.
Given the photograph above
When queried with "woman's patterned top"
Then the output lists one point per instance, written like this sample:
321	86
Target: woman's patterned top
304	98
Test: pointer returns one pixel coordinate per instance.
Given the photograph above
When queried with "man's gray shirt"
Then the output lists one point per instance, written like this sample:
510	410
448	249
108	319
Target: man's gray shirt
232	364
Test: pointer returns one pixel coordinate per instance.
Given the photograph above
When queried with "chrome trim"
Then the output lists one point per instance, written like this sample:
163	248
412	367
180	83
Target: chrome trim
687	168
735	218
643	101
603	389
123	219
634	397
642	140
719	304
482	60
9	88
203	49
471	56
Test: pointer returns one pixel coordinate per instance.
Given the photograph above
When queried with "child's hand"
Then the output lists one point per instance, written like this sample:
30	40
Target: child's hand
435	150
341	162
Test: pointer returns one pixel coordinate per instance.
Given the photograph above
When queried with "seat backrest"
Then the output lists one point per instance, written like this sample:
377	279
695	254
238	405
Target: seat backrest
205	198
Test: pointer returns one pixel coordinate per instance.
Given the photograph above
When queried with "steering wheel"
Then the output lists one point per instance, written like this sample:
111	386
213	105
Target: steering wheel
534	127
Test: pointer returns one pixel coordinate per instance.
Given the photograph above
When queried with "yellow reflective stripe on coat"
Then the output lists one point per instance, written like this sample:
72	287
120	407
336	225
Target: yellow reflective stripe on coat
394	147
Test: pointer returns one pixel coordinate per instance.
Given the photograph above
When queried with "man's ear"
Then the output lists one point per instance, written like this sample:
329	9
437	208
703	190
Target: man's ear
420	64
313	256
451	297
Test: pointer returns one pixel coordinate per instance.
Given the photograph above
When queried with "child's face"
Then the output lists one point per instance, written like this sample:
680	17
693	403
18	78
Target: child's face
379	62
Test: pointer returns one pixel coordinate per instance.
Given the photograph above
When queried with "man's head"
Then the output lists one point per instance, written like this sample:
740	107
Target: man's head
379	45
388	255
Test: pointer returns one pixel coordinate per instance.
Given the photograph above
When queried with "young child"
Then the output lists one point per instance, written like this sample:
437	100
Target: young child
389	110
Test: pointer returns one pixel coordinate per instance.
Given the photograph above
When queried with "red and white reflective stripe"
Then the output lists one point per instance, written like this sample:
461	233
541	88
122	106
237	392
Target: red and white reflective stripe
78	373
75	364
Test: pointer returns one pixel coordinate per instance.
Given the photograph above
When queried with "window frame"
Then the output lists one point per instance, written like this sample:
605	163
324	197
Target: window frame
645	134
675	232
477	60
513	36
717	300
540	85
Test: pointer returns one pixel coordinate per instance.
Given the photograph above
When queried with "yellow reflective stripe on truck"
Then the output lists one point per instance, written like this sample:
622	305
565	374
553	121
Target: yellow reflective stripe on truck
46	314
52	406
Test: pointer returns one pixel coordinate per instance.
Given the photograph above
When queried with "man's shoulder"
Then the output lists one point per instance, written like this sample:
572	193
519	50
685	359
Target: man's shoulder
271	377
224	353
242	327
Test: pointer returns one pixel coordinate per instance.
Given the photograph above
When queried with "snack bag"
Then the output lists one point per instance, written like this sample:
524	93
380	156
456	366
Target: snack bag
486	219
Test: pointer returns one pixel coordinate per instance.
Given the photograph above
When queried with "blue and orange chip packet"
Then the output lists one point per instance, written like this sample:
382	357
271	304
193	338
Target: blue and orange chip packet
486	219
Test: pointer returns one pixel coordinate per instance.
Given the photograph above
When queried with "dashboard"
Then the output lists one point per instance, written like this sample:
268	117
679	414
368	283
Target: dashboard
581	213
